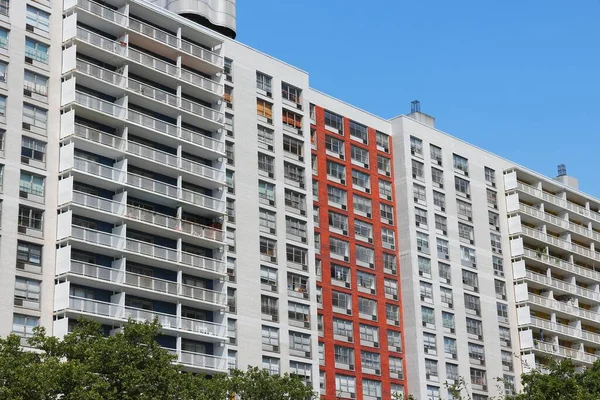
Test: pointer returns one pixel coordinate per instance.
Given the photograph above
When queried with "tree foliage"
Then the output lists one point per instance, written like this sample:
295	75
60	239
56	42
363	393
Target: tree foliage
86	365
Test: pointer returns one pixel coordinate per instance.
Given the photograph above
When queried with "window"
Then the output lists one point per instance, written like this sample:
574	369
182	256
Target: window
338	247
295	228
452	372
392	313
31	184
446	296
366	307
387	238
469	278
35	116
295	200
291	93
264	109
448	321
492	198
383	165
418	170
334	121
462	186
396	366
299	342
509	385
338	221
293	173
474	327
504	333
468	257
343	327
442	248
439	200
296	254
344	355
362	204
268	276
293	146
228	70
270	336
36	83
231	239
31	218
473	304
268	247
478	377
334	145
370	360
419	193
365	280
266	192
337	171
498	264
426	290
230	181
476	352
230	210
421	218
340	273
502	310
265	136
424	266
500	288
2	106
269	306
341	300
465	232
316	216
360	155
390	287
3	32
461	163
423	242
383	141
369	333
496	242
361	179
23	325
431	368
271	365
444	271
385	189
336	195
437	177
29	253
450	347
35	50
490	176
416	146
266	164
387	212
302	371
291	119
230	153
394	339
494	220
27	292
389	262
345	384
232	330
298	312
263	82
433	393
358	131
429	343
435	153
441	224
464	209
363	229
38	19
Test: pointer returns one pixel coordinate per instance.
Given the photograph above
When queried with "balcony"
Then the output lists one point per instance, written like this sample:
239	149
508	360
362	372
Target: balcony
560	243
100	11
561	264
202	361
565	352
567	309
562	286
110	313
564	330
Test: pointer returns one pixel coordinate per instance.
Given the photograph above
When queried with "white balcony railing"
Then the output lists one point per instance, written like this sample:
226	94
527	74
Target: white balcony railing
205	263
566	352
154	33
97	237
151	283
102	42
137	314
94	168
94	271
96	203
152	123
201	294
101	105
562	264
152	92
566	245
562	285
202	170
563	223
152	185
201	81
103	12
202	111
151	250
204	327
201	53
97	136
203	361
203	140
152	62
152	154
94	307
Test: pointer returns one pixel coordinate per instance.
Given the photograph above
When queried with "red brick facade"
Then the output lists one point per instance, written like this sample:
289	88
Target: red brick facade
319	133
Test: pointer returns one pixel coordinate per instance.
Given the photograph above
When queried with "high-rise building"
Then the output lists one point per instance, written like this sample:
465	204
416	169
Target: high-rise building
360	313
165	170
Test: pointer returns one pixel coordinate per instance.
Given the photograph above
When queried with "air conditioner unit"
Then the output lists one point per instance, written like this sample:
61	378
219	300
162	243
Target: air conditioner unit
368	215
273	259
367	190
350	339
27	92
22	229
348	312
347	284
18	302
351	367
20	265
376	345
374	317
272	230
274	288
346	258
23	194
28	60
341	156
389	197
395	296
26	126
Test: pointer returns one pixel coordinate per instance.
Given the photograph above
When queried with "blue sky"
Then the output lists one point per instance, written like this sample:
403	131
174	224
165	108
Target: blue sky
518	78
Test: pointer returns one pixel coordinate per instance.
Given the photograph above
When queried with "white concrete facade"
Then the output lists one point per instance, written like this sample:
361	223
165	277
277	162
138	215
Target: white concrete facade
30	89
440	348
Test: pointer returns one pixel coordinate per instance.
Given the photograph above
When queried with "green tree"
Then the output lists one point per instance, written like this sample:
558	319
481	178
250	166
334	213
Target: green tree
130	365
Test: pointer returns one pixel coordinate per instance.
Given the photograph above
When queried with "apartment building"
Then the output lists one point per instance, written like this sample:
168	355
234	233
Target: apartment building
30	53
360	314
554	231
459	307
